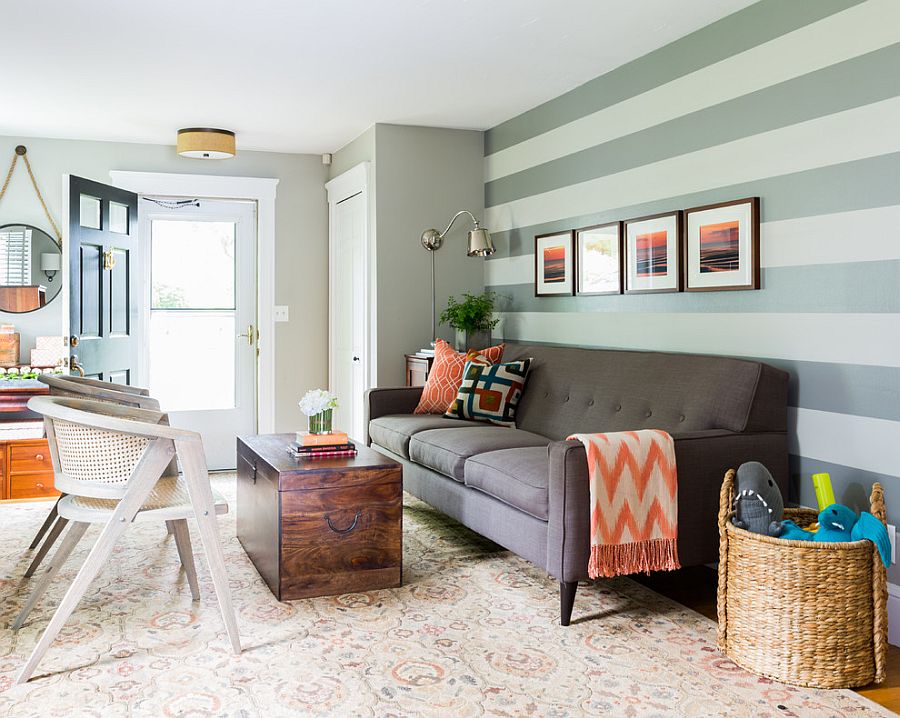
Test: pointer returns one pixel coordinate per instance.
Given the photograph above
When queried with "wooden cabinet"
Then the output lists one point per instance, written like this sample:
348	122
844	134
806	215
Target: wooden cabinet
417	369
319	527
27	470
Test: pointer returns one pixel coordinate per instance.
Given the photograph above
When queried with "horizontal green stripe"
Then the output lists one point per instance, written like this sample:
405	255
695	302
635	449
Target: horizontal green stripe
729	36
862	81
852	486
860	184
872	391
854	389
850	288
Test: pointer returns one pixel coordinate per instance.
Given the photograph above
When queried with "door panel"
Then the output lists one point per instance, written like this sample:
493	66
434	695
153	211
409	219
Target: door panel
102	279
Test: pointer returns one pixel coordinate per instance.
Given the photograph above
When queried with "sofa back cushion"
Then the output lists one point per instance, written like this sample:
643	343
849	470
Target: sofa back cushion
572	389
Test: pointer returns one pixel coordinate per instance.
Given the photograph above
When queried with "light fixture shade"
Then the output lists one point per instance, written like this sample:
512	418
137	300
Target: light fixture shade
480	244
50	262
206	143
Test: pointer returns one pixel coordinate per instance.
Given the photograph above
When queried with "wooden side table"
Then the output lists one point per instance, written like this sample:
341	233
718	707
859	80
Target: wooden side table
319	527
417	369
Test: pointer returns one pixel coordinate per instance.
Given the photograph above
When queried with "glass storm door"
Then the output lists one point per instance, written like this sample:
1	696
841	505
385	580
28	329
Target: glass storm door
200	359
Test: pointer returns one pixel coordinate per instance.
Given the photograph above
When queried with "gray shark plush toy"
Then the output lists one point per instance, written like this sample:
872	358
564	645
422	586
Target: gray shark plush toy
758	506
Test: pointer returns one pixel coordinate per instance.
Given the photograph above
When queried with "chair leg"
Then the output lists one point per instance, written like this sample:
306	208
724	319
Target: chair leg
567	591
196	477
45	547
51	517
170	528
72	537
183	542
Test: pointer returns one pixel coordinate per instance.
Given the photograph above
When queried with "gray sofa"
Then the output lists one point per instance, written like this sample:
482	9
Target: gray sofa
526	488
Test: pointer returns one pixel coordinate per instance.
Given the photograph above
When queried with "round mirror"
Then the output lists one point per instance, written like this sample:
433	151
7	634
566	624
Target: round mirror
30	268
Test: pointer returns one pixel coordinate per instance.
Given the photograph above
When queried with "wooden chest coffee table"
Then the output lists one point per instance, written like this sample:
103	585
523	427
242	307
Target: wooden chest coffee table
319	527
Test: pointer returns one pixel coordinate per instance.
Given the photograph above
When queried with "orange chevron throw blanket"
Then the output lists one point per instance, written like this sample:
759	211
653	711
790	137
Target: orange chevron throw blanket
634	502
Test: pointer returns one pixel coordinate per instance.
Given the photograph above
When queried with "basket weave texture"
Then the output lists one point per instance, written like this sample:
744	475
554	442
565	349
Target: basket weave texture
799	612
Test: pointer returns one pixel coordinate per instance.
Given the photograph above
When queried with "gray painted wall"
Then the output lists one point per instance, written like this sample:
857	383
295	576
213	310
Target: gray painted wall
422	177
797	103
300	253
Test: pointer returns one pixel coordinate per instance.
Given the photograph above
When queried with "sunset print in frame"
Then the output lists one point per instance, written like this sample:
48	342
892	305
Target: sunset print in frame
721	246
598	259
653	253
553	265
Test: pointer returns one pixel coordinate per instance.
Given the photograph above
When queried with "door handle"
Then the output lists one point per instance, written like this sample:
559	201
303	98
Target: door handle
75	366
250	335
355	358
109	259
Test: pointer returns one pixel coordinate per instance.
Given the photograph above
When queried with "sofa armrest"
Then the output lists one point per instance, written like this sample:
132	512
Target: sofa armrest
390	400
702	457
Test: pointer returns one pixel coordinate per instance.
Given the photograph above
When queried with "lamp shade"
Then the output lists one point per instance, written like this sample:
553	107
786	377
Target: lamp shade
50	262
206	143
480	244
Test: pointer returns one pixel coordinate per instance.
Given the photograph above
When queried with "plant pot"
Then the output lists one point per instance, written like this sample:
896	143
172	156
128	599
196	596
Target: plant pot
465	340
320	423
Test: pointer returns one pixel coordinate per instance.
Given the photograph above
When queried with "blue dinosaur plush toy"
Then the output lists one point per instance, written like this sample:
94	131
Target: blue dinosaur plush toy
840	523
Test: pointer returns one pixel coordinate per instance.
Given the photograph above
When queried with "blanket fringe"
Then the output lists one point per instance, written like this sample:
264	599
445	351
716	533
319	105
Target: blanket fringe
608	560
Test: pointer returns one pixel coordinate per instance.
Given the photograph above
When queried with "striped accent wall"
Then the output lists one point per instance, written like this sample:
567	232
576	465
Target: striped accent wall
797	103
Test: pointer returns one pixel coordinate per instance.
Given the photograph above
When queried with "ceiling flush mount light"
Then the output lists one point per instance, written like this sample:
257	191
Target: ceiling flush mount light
206	143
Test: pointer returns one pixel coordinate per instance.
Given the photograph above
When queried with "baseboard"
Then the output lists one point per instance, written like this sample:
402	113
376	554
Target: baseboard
893	614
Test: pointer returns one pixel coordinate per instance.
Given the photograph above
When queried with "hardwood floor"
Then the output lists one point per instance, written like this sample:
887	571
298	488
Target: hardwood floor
696	588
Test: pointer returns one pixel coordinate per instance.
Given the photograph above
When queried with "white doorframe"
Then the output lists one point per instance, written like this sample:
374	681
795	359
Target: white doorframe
354	181
262	190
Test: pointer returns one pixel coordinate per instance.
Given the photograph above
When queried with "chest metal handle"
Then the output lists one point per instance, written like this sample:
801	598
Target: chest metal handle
346	530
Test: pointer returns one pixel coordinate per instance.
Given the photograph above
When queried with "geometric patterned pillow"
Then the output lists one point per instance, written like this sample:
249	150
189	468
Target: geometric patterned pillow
490	393
446	375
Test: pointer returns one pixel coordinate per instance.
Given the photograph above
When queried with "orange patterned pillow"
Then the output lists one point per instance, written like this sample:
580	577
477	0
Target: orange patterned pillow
446	375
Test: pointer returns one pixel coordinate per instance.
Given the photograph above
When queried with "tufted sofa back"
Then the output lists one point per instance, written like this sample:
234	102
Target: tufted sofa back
572	390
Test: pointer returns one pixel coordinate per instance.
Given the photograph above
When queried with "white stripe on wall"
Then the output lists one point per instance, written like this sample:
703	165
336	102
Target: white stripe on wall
865	235
858	441
844	35
861	132
869	339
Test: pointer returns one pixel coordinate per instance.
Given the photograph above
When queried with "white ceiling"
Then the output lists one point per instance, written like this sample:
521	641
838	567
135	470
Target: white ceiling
310	75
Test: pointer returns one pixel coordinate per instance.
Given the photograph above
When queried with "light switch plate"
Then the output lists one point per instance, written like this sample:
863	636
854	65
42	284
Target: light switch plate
281	313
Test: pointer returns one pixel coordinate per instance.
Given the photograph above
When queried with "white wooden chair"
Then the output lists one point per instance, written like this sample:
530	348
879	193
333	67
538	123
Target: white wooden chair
96	390
110	461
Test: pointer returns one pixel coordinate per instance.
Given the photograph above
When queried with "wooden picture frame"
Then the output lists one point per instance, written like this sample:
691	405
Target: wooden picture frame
721	246
653	253
599	266
554	266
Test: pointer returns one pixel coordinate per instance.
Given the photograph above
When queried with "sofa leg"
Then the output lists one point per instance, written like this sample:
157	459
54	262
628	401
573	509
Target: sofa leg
567	591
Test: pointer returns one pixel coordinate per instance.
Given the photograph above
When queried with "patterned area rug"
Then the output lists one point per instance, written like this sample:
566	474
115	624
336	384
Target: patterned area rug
473	632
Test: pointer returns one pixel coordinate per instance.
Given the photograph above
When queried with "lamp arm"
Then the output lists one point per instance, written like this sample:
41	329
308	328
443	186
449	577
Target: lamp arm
462	211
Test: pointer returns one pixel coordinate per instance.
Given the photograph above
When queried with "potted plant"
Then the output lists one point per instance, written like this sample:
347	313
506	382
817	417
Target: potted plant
472	318
318	405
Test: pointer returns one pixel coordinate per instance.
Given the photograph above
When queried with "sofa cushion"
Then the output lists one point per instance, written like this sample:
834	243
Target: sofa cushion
446	450
393	432
490	393
518	477
446	373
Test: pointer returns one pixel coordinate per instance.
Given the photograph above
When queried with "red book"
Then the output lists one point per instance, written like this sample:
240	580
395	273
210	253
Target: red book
324	454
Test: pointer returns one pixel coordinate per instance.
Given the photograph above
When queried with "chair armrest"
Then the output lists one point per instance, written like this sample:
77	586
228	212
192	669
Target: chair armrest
702	457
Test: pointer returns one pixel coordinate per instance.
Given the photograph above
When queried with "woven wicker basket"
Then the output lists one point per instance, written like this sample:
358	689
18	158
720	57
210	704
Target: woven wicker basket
809	614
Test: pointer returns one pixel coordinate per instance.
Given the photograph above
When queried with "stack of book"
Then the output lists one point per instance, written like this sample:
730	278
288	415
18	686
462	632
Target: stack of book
322	446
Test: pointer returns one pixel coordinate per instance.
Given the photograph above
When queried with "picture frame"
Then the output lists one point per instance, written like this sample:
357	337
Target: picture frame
554	268
653	253
721	246
599	259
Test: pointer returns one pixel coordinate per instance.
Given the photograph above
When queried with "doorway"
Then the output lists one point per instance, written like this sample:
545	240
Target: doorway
199	339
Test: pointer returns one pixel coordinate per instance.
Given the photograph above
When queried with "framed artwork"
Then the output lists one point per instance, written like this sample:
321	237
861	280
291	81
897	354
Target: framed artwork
553	265
721	246
598	259
653	253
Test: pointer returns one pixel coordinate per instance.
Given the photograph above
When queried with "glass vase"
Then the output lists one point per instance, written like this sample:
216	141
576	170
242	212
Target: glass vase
320	423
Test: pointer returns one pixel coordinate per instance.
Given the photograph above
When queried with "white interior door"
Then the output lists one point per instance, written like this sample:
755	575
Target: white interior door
349	310
200	328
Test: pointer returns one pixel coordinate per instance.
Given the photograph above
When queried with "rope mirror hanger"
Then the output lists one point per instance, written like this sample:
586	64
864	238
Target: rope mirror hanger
21	151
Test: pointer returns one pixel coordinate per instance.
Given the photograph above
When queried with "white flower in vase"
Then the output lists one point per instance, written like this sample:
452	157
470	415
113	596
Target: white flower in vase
315	401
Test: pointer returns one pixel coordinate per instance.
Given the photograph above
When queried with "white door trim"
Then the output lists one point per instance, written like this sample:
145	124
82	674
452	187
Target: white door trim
356	180
261	189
